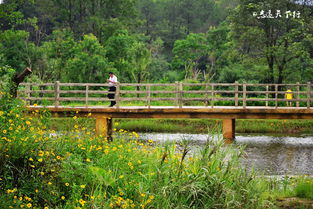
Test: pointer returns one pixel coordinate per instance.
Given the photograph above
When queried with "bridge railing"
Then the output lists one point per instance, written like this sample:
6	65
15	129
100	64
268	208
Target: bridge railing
173	94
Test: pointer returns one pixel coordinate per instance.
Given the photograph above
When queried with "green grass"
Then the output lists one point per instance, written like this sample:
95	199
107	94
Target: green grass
194	125
41	169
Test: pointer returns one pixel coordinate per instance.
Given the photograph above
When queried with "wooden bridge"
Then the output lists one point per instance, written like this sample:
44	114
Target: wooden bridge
227	101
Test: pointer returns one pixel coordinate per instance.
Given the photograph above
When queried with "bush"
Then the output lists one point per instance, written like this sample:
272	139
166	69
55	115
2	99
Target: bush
305	189
43	169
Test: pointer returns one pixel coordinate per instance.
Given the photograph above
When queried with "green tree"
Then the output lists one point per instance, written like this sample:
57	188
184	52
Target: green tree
130	56
16	50
190	53
89	62
276	41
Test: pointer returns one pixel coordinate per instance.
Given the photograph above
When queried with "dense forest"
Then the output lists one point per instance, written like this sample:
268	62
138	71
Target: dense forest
269	41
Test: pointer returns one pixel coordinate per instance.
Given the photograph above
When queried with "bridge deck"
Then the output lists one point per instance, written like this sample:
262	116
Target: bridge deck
220	112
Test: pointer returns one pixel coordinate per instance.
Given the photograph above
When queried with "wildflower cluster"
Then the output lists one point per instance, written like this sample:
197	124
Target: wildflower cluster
42	168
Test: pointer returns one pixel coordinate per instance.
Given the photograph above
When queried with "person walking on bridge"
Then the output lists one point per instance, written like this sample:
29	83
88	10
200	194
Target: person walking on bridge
112	88
288	96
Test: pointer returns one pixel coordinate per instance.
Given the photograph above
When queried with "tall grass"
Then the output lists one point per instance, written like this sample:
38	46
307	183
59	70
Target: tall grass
42	169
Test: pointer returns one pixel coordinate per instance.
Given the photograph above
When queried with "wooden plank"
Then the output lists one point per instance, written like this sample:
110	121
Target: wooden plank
266	96
236	94
149	96
276	95
180	102
86	95
212	95
85	84
298	94
206	94
145	92
308	104
38	91
117	95
37	84
142	84
57	93
244	95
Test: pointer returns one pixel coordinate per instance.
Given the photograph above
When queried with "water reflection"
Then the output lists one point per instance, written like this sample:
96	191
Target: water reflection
271	155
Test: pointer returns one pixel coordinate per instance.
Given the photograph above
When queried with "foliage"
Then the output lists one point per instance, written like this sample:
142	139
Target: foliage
304	188
41	168
89	63
278	41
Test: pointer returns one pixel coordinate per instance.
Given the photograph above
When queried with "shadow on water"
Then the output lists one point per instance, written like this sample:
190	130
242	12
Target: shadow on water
271	155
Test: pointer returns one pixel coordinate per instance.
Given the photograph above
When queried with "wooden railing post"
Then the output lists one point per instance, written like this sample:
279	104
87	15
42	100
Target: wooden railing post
180	94
212	95
298	94
308	97
149	95
206	94
87	95
28	94
117	95
276	95
236	94
266	103
177	93
57	93
244	95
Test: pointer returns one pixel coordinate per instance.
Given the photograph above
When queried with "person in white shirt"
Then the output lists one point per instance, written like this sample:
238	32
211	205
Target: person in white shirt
112	87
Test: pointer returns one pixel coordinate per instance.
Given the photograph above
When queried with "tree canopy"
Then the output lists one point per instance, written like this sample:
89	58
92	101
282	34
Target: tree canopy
268	41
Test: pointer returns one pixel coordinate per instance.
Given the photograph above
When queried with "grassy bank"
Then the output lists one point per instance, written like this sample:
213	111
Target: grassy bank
195	125
43	170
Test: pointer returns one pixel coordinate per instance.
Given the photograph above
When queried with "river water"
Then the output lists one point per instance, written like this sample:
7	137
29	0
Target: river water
271	155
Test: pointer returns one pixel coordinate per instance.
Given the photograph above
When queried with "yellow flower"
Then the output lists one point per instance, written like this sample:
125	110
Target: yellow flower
67	184
46	207
142	195
88	160
58	157
27	122
76	126
29	205
4	131
30	159
41	153
82	186
63	198
151	197
40	160
74	117
1	113
49	183
121	176
82	202
42	173
35	105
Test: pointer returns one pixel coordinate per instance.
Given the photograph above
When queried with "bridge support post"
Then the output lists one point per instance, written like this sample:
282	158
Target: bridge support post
104	127
229	130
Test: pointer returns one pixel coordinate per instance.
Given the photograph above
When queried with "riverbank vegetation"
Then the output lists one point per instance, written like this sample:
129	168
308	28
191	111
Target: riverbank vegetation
75	169
195	125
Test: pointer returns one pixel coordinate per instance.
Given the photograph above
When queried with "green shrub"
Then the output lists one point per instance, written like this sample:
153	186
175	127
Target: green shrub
305	189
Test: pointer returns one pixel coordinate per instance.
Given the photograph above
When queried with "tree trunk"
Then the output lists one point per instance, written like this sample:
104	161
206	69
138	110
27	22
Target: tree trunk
17	79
